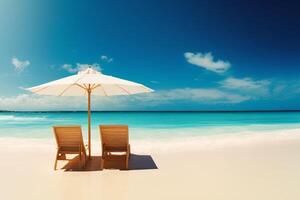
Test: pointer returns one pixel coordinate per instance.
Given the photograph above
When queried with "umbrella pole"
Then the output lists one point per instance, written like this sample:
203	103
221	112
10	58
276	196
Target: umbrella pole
89	121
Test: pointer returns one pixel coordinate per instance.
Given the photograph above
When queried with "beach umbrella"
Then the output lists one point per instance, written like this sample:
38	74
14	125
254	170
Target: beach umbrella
86	83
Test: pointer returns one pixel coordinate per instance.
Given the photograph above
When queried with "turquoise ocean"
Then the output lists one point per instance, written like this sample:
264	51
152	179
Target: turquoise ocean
144	125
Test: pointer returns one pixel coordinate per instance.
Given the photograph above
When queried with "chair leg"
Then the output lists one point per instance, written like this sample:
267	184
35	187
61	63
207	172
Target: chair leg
80	159
55	163
104	153
102	163
129	151
82	156
128	154
127	159
84	160
127	162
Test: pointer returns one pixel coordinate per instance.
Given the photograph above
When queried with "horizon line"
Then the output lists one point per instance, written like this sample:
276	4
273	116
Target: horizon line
56	111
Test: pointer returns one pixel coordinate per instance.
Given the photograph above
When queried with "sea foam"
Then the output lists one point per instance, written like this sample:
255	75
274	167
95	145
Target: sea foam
17	118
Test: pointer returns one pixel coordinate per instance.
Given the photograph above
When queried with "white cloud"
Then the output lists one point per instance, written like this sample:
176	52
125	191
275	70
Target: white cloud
247	85
79	67
69	68
106	58
161	97
196	95
34	102
285	89
19	65
95	66
244	83
206	61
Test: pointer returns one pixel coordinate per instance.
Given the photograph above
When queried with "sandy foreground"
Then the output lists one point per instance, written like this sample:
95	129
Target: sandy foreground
265	169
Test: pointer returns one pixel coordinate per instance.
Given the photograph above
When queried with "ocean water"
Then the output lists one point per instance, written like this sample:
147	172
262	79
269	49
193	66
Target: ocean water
150	125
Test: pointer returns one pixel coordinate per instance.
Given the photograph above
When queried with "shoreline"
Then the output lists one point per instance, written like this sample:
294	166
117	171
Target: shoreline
175	144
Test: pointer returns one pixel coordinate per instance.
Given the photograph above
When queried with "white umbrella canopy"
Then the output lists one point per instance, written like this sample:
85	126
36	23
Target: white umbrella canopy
87	82
98	83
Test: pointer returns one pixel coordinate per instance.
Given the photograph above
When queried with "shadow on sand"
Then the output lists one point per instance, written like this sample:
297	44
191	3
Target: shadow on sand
136	162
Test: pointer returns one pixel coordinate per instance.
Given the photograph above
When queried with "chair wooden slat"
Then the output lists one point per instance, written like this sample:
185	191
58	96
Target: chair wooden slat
69	141
114	139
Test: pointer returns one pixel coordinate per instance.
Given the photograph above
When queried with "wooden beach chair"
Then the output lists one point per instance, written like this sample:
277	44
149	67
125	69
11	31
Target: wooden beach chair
69	141
114	139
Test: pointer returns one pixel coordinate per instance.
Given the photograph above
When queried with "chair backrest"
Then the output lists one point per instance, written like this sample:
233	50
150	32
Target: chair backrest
68	136
114	135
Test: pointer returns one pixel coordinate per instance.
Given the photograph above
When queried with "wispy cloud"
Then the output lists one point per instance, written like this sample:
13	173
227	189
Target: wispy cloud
69	68
278	89
196	95
19	65
160	97
206	61
286	89
79	67
95	66
33	102
247	85
106	58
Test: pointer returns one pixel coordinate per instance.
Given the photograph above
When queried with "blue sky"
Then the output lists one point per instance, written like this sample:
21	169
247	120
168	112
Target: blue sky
196	55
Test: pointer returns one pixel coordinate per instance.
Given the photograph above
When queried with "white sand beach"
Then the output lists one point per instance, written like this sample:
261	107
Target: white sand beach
248	167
